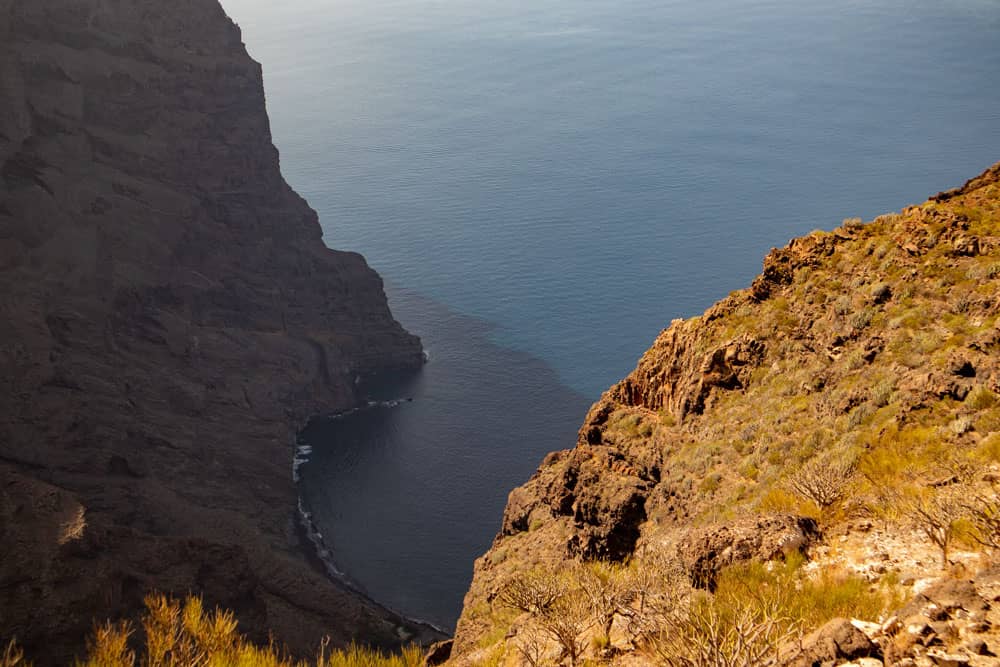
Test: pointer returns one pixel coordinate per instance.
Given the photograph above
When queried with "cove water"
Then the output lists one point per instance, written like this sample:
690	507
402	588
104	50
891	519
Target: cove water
546	184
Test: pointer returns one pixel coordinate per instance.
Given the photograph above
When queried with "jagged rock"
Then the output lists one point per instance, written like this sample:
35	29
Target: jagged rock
827	353
966	245
706	551
945	659
962	367
687	385
438	653
987	584
942	599
991	175
870	629
836	642
917	626
977	647
605	516
891	625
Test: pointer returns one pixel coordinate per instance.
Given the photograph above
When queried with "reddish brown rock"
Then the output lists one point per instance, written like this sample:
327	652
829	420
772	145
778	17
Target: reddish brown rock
599	490
707	551
438	653
837	642
845	340
687	384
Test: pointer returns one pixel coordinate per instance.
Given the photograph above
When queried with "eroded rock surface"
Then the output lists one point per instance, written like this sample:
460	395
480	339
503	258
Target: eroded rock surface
168	314
858	369
706	551
835	643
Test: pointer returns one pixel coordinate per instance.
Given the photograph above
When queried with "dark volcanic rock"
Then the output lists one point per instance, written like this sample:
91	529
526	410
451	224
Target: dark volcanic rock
438	653
169	313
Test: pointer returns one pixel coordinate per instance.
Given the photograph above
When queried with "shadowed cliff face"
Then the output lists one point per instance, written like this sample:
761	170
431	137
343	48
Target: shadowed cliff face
169	313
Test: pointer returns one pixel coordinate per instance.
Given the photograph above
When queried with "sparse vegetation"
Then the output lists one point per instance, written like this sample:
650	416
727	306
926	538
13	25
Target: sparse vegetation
823	480
532	592
881	292
13	656
650	605
176	634
809	600
980	398
708	633
936	514
983	513
559	610
853	384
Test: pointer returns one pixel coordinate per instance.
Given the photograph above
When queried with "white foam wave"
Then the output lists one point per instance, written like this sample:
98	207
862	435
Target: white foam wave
319	547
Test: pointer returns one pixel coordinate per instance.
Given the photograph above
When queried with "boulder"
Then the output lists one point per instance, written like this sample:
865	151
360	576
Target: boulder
438	653
942	599
833	644
704	553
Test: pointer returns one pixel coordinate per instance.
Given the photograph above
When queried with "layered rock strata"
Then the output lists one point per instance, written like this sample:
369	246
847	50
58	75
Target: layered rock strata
169	315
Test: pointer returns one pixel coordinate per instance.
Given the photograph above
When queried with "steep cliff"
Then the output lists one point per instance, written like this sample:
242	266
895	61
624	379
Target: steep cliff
835	410
169	314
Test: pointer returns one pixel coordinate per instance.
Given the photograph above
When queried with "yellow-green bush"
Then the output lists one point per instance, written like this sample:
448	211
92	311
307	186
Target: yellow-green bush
810	600
185	635
13	656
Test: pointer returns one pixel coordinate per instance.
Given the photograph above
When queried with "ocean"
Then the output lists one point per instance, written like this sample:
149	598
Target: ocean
546	185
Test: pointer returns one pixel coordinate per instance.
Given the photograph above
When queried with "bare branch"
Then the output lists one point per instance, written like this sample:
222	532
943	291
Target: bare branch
702	634
984	513
533	592
822	480
935	515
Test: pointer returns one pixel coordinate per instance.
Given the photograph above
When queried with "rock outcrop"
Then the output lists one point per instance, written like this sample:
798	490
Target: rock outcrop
707	551
854	382
168	315
836	643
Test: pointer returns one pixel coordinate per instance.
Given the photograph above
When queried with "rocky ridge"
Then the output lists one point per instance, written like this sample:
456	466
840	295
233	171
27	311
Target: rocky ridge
853	385
170	314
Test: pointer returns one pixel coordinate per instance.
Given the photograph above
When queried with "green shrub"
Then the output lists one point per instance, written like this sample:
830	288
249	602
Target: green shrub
812	600
13	656
863	318
711	483
980	398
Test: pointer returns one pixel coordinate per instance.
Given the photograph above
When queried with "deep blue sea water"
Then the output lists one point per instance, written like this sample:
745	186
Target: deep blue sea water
406	497
555	181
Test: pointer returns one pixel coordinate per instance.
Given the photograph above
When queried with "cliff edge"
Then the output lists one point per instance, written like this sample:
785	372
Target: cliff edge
821	445
169	315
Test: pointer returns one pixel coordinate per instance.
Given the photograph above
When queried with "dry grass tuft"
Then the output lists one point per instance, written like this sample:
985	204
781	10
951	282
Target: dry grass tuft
185	635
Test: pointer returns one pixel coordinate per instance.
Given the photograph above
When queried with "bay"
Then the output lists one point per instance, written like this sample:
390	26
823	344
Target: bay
550	183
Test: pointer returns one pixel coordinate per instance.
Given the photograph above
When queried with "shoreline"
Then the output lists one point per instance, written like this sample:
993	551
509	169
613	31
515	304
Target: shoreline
470	370
320	556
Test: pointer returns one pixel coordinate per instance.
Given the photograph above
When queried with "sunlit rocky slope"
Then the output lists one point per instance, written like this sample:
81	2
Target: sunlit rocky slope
821	445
